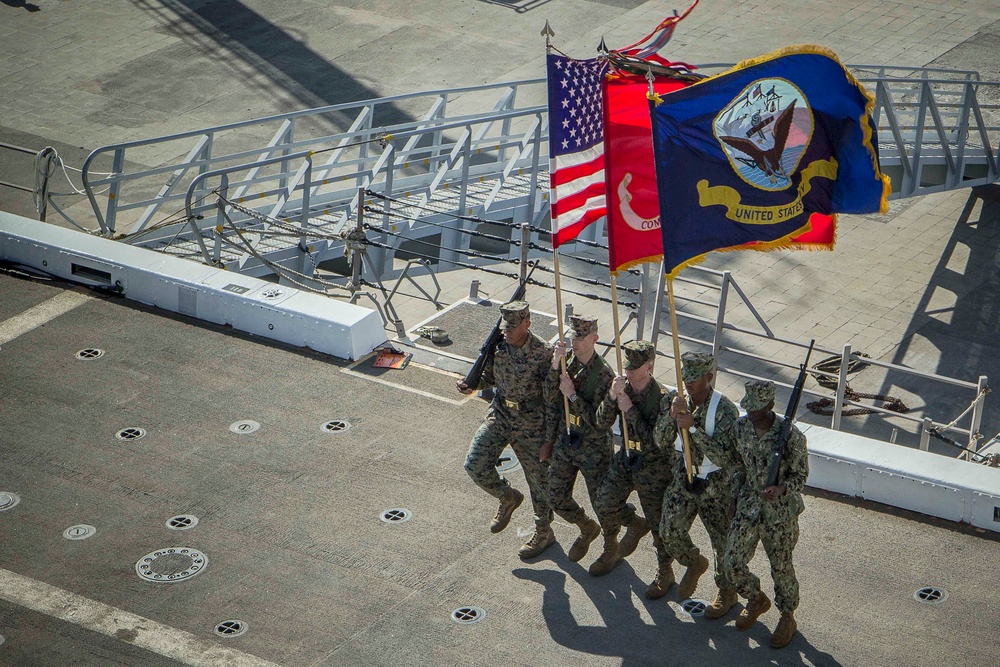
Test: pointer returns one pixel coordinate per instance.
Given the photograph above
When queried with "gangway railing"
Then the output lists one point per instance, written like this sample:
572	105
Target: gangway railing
136	195
731	343
474	151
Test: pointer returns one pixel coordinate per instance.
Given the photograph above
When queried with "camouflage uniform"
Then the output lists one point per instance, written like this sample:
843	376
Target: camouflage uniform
518	415
649	474
681	503
773	523
592	455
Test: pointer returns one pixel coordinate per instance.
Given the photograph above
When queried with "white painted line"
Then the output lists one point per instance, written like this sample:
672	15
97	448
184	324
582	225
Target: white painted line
164	640
38	315
451	401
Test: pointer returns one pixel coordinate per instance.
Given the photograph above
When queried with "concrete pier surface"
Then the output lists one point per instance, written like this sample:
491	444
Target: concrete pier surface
292	526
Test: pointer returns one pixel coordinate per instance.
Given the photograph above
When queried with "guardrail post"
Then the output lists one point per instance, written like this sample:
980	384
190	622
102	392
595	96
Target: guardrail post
925	433
47	156
356	256
640	321
918	139
977	416
452	237
536	149
661	284
380	258
289	138
838	409
505	125
304	219
114	191
525	240
720	316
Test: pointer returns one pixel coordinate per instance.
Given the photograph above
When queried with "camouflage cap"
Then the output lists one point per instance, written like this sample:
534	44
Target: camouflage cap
513	313
638	352
582	325
694	365
759	394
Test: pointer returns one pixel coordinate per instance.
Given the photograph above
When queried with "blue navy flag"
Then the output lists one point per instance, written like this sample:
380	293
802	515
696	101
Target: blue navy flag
576	145
746	157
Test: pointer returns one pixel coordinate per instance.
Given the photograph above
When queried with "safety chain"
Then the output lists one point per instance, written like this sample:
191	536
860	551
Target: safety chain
457	216
355	240
496	258
832	365
283	271
593	281
512	276
468	253
477	219
826	406
470	232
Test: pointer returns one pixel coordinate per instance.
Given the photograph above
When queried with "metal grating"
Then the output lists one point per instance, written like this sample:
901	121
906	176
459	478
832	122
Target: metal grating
182	522
396	515
231	628
694	607
932	595
335	426
131	433
468	615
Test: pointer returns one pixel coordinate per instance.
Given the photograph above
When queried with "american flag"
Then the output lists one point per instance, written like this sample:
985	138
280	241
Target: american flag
576	145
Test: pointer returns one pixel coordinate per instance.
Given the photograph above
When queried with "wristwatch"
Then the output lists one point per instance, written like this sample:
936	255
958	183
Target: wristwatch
692	429
573	398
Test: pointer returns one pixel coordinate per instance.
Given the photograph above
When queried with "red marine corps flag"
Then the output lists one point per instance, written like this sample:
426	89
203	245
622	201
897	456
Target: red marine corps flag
633	213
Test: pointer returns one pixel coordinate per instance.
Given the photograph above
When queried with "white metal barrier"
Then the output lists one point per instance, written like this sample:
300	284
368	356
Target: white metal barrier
247	304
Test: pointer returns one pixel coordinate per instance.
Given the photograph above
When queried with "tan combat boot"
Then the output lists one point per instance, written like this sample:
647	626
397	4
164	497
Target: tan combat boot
608	560
689	582
510	502
723	602
754	609
664	580
636	530
540	540
784	632
589	530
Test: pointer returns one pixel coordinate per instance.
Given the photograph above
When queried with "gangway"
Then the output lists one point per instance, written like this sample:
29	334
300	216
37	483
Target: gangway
480	152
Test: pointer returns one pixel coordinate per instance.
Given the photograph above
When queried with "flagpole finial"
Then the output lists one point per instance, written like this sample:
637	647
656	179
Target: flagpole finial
649	78
548	32
602	48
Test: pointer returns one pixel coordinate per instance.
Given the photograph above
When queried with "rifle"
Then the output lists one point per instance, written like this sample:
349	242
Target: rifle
486	352
786	426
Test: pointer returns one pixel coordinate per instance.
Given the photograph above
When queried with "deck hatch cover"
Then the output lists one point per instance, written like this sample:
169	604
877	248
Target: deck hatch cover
171	564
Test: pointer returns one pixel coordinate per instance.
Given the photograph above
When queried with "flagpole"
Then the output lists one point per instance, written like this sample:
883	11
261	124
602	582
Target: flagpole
618	349
677	367
546	451
562	337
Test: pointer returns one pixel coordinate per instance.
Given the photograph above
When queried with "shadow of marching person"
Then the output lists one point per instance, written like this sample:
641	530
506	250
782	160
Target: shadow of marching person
674	637
17	4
